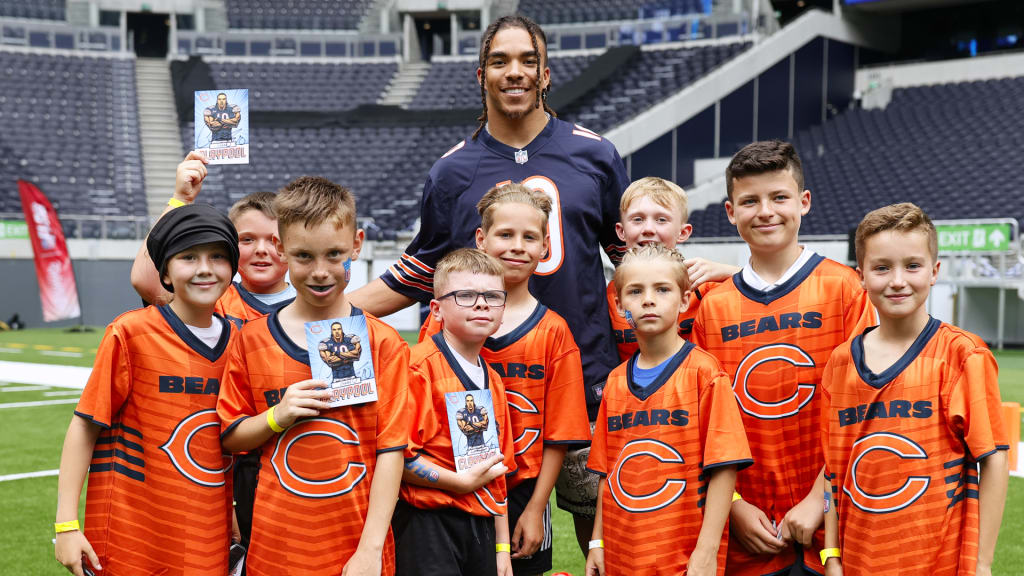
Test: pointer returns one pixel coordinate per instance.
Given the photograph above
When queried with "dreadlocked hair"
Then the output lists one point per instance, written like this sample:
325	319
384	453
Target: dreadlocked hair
535	32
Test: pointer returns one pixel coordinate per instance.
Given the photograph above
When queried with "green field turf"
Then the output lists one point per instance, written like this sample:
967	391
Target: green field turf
34	437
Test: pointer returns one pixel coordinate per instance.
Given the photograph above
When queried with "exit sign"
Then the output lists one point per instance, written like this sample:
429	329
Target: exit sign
988	236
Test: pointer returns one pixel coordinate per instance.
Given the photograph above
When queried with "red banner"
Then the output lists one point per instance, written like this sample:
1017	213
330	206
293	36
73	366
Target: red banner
57	289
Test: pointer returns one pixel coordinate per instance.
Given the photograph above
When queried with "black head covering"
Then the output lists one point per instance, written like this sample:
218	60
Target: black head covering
188	226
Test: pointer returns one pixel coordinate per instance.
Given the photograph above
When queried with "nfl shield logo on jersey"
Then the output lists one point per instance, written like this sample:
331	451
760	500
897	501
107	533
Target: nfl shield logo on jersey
521	157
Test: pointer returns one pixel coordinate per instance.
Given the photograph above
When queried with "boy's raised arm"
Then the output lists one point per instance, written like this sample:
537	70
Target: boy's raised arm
188	181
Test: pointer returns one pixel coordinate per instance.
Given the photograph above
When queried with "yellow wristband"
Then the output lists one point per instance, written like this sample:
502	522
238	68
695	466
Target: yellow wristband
175	203
273	423
502	547
595	544
736	496
828	553
69	526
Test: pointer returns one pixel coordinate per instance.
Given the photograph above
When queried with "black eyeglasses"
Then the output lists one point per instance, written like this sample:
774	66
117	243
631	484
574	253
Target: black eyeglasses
469	298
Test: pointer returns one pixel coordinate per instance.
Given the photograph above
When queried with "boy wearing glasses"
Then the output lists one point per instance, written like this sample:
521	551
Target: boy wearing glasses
537	358
440	529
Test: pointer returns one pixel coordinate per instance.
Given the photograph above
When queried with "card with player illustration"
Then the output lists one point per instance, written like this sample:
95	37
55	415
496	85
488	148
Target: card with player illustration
222	125
472	426
339	354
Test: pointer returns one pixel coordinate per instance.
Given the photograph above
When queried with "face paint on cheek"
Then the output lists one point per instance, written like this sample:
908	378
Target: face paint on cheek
629	319
348	269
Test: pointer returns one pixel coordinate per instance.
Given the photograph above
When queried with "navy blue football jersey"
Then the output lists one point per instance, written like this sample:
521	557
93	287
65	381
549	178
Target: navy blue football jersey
584	176
343	367
228	113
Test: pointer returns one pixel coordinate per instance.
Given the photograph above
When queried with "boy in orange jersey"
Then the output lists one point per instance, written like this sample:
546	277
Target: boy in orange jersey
263	287
773	326
654	210
539	364
909	410
441	531
328	476
146	427
668	439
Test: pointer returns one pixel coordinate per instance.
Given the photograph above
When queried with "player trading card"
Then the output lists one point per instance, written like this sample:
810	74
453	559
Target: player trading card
471	422
222	126
337	355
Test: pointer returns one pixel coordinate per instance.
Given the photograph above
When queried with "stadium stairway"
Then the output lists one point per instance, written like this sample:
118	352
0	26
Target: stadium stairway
405	84
158	123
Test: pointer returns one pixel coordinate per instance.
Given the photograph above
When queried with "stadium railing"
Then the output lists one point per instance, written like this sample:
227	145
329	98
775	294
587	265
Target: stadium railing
95	227
59	35
287	43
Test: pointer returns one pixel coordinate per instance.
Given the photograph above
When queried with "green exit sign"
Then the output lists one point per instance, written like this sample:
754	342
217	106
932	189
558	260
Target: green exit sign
13	229
976	236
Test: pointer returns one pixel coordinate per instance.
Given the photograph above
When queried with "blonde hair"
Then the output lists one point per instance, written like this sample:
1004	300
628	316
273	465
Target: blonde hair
904	217
662	192
514	193
262	201
650	255
468	260
312	200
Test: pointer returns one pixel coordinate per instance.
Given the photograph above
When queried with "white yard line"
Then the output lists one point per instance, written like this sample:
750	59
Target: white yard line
23	475
44	374
24	388
38	403
63	393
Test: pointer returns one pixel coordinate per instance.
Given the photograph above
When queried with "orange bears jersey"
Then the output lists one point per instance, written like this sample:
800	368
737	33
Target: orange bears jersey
159	498
657	446
539	365
775	345
240	306
902	448
314	481
433	373
625	337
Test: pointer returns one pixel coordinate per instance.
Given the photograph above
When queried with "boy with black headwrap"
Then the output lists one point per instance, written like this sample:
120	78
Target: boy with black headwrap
146	428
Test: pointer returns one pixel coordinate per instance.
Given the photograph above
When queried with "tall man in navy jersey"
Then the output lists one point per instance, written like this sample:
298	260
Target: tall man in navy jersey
519	139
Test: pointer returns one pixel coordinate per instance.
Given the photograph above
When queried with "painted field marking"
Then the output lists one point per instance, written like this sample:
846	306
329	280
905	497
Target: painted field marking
61	353
23	388
23	475
38	403
12	350
63	393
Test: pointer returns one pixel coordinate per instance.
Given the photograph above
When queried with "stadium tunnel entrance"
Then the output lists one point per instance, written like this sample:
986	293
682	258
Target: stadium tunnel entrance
149	32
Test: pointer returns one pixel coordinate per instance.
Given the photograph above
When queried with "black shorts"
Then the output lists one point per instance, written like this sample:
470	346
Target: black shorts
540	561
442	542
246	473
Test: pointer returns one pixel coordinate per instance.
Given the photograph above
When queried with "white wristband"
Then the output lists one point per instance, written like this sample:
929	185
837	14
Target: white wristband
596	544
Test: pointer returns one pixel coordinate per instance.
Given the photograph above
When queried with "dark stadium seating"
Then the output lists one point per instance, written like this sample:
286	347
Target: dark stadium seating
452	85
385	166
38	9
305	85
566	11
649	78
296	14
953	149
71	126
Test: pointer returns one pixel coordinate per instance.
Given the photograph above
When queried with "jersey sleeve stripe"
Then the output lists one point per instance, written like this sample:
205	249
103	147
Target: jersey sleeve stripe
228	430
91	419
391	449
601	474
418	263
739	464
408	271
399	276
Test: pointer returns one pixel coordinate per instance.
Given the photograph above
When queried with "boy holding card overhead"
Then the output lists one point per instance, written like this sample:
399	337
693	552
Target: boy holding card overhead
329	476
